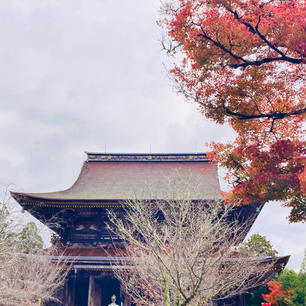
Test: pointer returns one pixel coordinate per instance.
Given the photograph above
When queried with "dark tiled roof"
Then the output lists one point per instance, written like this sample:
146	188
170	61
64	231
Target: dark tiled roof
126	176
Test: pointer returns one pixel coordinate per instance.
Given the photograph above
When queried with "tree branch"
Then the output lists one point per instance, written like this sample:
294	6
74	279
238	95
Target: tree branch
266	60
222	47
253	30
273	116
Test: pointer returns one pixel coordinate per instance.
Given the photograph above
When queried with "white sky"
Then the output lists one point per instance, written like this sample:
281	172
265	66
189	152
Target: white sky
82	75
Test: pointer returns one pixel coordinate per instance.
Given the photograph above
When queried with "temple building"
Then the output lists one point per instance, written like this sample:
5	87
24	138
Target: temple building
107	181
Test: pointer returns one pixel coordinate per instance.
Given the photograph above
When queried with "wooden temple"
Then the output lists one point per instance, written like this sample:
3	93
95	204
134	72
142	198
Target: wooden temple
105	182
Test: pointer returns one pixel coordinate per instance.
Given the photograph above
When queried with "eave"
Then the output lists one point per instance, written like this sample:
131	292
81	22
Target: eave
27	201
110	262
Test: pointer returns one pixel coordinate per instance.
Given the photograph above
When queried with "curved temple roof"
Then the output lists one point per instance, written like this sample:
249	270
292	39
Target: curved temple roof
147	176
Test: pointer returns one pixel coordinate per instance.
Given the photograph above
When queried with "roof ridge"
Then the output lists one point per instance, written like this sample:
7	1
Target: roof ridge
95	156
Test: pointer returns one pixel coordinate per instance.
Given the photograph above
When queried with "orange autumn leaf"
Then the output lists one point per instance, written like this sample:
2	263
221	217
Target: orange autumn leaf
275	293
302	178
244	63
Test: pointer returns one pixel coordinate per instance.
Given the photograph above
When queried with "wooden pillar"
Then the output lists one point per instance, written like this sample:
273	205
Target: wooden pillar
66	293
91	291
126	298
73	288
98	294
69	292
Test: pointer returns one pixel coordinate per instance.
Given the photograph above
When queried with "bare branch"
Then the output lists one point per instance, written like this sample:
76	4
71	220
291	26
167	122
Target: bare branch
182	252
26	278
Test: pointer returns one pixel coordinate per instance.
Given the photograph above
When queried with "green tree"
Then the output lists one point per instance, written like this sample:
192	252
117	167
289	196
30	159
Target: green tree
254	297
29	239
25	241
257	245
293	286
296	282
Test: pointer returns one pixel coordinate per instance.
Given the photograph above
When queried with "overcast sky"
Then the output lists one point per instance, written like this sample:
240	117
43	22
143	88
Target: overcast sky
88	75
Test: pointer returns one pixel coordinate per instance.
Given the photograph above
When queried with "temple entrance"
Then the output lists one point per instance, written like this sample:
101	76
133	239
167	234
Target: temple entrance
110	286
81	289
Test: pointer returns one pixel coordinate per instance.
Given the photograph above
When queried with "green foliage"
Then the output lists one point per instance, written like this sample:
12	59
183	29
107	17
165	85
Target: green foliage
293	286
29	239
7	237
257	245
254	298
25	241
303	265
296	283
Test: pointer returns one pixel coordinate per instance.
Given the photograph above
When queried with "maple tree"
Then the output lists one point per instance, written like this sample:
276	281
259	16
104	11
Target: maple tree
243	62
276	292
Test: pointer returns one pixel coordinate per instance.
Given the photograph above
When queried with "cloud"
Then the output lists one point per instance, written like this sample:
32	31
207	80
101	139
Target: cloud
82	75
